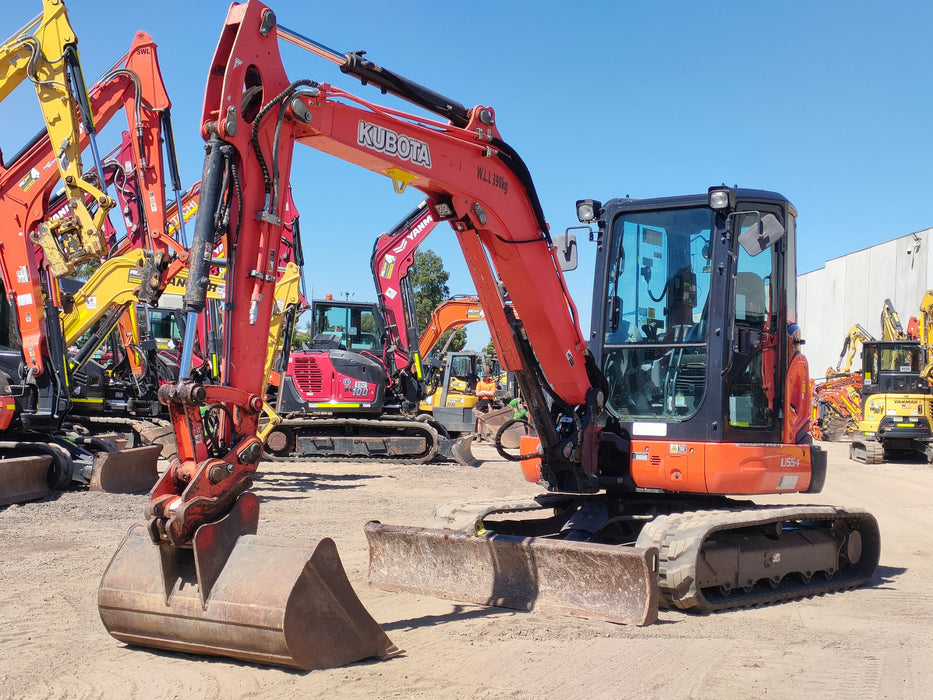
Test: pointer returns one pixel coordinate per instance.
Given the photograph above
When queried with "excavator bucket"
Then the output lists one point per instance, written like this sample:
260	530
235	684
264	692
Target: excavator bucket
126	471
269	600
613	583
460	450
24	479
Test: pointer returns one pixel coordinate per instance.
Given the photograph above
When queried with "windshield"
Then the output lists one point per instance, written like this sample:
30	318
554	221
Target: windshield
353	328
656	327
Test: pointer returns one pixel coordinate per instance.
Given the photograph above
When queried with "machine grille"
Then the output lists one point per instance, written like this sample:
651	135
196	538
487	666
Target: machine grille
308	376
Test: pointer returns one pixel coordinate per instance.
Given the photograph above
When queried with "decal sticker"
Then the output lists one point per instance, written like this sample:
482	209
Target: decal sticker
651	429
22	274
382	140
31	178
24	299
494	179
387	267
391	293
413	234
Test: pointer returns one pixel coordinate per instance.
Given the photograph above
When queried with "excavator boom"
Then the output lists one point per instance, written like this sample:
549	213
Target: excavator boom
192	578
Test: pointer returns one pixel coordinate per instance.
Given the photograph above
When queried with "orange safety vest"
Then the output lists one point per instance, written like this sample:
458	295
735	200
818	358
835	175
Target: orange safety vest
485	390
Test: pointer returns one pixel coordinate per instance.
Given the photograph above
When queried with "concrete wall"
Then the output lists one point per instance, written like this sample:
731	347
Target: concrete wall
852	289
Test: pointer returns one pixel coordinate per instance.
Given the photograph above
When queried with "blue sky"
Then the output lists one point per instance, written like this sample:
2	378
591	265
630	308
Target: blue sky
825	102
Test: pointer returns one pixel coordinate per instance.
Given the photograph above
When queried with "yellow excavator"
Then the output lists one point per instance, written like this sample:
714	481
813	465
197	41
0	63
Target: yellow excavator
897	397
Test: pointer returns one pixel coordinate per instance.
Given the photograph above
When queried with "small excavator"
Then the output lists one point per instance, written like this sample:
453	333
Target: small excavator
692	390
896	412
354	392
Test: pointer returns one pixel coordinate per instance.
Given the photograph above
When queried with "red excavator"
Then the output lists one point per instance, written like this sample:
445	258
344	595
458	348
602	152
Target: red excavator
353	393
692	388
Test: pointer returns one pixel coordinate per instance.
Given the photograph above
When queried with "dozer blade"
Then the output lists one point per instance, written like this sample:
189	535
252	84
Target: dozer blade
126	471
275	601
613	583
24	479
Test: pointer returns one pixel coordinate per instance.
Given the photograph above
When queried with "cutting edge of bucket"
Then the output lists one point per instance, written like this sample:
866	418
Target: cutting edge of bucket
277	601
126	471
617	584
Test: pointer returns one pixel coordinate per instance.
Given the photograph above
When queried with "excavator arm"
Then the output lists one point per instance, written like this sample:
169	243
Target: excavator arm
253	115
391	261
925	327
201	505
45	53
453	314
27	184
850	346
891	328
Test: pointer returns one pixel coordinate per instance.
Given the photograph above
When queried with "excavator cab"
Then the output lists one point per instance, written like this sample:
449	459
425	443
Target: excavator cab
689	316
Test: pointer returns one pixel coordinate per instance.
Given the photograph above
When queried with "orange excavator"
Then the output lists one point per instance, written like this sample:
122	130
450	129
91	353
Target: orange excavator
693	388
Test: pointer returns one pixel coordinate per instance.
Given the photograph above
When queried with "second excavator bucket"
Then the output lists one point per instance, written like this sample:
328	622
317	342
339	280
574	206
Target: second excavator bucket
24	479
273	600
613	583
460	450
126	471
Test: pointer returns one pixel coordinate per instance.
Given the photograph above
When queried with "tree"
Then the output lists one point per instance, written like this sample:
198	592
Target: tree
429	282
490	352
302	335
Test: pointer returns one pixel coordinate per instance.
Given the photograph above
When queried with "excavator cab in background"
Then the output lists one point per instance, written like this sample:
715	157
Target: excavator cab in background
341	370
451	389
338	399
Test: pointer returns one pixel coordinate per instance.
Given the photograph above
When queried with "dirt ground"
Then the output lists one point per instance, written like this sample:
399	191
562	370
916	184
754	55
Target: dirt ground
874	642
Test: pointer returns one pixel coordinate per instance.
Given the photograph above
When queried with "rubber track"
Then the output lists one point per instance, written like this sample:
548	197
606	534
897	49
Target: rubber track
340	424
680	536
866	451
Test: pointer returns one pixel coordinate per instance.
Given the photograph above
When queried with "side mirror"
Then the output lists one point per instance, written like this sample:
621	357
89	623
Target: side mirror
764	232
566	250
